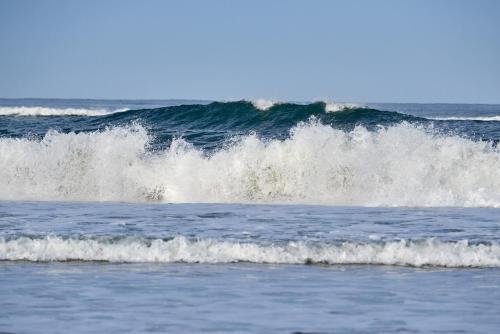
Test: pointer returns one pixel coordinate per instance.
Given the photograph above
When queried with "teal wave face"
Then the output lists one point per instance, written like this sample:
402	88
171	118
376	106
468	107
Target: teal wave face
244	115
210	125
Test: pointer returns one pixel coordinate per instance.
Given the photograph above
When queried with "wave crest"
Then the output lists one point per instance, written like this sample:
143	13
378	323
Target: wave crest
335	107
263	105
44	111
428	252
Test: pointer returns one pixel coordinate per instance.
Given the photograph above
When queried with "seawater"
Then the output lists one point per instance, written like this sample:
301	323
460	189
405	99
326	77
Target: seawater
190	216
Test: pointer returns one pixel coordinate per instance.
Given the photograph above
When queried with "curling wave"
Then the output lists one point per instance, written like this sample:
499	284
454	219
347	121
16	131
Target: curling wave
429	252
204	125
264	105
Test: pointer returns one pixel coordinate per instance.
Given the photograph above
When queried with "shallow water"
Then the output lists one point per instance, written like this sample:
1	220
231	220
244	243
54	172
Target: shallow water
89	296
246	298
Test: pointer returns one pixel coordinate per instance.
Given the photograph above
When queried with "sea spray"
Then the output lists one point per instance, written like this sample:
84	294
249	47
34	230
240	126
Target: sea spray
402	165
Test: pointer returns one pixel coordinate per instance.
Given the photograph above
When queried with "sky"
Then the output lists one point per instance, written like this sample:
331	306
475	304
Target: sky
352	51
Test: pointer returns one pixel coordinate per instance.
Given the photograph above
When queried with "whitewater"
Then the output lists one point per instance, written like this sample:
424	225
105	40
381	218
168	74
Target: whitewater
404	253
44	111
401	165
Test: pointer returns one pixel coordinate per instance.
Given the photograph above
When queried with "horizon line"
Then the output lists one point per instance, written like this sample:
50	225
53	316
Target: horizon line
238	99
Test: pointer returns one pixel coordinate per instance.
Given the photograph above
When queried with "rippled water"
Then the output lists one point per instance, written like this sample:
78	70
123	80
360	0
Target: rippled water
248	297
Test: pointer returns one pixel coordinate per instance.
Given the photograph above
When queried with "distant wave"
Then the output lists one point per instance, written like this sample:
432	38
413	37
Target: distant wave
238	109
478	118
401	165
260	104
429	252
206	125
245	116
45	111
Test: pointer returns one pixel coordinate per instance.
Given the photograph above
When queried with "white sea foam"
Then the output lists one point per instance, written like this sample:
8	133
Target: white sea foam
263	105
428	252
45	111
475	118
335	107
396	166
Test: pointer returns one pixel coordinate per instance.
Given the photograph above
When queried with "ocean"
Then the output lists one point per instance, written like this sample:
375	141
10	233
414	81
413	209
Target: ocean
183	216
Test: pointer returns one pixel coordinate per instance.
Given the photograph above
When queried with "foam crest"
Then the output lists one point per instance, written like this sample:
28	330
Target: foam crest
428	252
335	107
401	165
44	111
263	105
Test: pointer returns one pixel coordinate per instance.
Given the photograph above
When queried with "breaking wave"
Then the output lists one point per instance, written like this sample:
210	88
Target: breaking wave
44	111
335	107
265	105
402	165
205	125
429	252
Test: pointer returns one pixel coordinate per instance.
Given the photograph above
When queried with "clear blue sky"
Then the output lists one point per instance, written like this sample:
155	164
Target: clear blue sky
364	51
